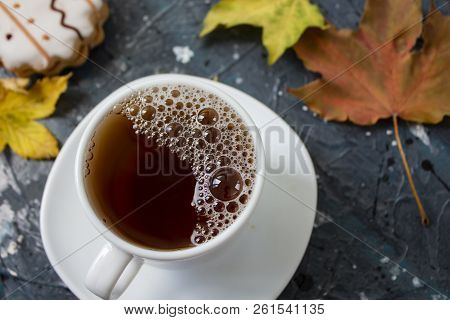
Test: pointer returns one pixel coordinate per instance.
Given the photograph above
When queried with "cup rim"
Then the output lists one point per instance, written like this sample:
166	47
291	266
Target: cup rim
166	255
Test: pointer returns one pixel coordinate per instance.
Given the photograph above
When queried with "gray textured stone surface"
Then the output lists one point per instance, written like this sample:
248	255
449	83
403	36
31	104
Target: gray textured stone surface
361	183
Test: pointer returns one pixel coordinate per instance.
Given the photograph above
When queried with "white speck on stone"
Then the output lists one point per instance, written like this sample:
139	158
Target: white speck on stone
337	5
417	283
394	143
22	213
305	108
362	296
29	171
418	131
385	260
321	219
3	253
20	238
368	133
123	67
6	219
25	217
389	132
79	118
207	1
239	80
7	179
363	185
403	270
314	114
145	18
12	248
354	267
98	85
183	54
280	93
11	272
394	271
236	56
436	297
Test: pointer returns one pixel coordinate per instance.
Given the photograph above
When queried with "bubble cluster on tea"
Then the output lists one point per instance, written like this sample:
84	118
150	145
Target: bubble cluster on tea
170	167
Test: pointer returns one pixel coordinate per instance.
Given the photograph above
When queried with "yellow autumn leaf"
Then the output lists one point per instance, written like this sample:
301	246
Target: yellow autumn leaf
14	84
283	21
19	109
2	143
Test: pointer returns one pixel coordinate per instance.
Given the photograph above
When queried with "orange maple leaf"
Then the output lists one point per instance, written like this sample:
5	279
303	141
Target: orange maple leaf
375	72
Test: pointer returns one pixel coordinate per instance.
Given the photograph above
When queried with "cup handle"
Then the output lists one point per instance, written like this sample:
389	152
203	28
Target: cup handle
106	270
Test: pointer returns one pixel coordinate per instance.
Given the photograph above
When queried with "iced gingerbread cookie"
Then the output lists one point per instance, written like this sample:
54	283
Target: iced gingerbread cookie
45	36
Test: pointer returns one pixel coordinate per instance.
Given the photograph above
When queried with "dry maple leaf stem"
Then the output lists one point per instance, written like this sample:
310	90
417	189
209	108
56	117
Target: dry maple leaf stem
423	214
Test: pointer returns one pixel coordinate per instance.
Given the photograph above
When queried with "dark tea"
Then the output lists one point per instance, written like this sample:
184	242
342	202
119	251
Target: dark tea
170	167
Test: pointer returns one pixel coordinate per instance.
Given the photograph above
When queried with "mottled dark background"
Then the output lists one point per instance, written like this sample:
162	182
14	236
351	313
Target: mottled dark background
362	188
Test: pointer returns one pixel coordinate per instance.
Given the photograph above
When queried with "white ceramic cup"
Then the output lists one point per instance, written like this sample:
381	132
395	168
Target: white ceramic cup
116	255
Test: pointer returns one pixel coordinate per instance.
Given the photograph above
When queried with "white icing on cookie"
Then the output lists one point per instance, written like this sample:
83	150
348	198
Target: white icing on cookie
41	33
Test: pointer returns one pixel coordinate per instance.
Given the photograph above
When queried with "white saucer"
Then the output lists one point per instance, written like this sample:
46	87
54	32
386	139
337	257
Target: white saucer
258	264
